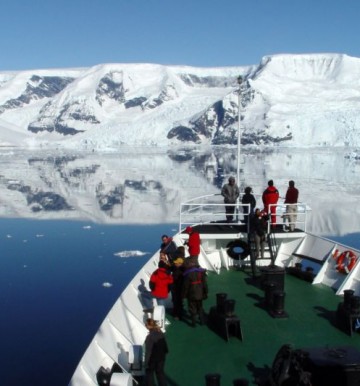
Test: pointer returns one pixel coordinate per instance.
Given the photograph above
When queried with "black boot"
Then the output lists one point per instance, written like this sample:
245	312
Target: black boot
202	317
193	321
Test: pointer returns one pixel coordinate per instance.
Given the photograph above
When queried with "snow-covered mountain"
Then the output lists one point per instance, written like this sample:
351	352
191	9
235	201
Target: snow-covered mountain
292	100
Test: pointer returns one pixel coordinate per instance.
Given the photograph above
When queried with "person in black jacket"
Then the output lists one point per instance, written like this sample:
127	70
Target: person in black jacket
248	198
156	349
195	290
258	226
177	270
169	247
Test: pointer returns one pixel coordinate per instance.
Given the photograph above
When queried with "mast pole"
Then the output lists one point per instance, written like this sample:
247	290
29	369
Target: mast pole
239	80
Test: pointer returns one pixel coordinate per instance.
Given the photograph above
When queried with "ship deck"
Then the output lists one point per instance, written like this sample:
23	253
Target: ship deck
310	322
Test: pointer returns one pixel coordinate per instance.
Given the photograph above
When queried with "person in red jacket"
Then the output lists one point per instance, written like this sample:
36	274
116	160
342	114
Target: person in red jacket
193	242
160	283
270	197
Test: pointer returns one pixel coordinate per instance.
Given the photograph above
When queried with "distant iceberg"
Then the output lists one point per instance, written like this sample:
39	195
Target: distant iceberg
354	155
125	254
107	284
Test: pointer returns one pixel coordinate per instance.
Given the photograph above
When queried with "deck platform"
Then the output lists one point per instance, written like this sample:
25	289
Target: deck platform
311	322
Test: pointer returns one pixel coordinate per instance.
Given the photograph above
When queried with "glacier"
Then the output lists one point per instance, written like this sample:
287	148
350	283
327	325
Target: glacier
307	100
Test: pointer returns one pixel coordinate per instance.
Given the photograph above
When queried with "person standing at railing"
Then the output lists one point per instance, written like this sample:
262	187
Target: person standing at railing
168	247
291	199
230	192
160	283
248	198
270	198
193	243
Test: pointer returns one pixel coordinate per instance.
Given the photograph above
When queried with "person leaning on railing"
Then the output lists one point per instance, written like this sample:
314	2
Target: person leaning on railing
168	247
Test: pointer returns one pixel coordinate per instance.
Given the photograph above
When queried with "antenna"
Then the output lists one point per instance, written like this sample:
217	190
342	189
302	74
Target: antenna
239	80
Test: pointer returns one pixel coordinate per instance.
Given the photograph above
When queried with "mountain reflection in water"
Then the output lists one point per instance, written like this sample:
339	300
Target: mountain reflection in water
146	186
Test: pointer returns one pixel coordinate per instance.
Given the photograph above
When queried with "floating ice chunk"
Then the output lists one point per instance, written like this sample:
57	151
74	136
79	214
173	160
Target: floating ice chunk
39	235
125	254
107	284
87	227
9	236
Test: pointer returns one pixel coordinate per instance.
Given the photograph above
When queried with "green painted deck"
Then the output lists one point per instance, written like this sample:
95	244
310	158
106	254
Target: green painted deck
195	352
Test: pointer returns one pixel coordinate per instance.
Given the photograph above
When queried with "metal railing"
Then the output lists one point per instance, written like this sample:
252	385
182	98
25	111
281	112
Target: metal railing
283	217
211	209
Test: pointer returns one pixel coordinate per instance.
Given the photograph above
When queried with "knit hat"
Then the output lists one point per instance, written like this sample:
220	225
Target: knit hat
188	229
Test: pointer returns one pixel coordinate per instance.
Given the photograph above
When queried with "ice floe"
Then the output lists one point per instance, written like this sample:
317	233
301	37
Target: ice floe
125	254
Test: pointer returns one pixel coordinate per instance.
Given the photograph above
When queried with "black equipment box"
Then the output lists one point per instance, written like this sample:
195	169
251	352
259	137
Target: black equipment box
273	274
338	366
318	366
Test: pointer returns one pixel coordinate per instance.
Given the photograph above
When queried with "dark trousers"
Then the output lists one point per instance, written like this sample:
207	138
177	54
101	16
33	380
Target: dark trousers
247	215
177	303
229	210
158	369
196	308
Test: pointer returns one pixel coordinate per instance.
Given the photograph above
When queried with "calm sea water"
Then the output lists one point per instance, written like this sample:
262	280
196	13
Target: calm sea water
352	240
52	295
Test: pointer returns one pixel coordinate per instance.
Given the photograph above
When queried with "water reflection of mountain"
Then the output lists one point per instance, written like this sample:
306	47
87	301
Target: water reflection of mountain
147	186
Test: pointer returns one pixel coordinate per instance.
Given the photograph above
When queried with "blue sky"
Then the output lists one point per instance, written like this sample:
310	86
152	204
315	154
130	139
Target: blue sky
205	33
